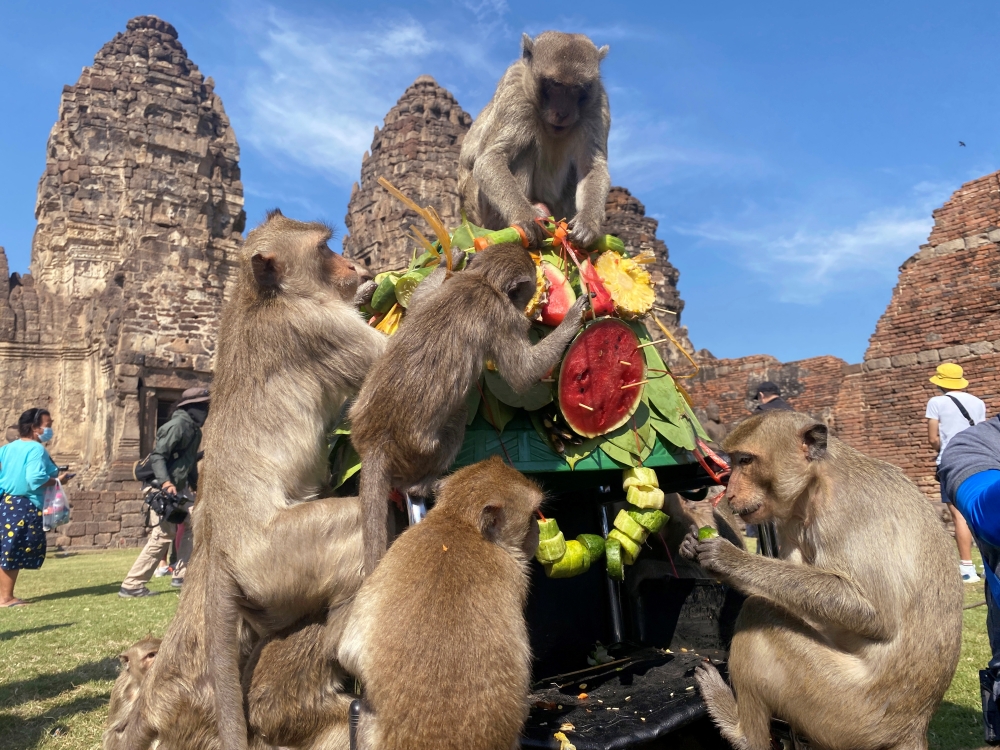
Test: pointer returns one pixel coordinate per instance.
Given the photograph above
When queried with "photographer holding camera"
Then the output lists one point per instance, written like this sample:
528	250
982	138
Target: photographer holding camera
173	462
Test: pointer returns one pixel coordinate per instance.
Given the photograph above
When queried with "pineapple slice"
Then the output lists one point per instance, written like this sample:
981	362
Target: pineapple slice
541	289
629	284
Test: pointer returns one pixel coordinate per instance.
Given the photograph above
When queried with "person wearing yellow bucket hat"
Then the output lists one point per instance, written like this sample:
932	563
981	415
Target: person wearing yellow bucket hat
948	414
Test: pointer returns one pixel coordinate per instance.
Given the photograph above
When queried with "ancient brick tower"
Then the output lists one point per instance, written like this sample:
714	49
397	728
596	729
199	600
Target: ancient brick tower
139	214
417	149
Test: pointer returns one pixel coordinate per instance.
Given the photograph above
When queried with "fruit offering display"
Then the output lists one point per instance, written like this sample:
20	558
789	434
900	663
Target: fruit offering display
612	393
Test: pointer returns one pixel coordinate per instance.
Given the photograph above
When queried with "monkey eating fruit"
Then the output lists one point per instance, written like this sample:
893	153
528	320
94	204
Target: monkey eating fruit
853	635
437	633
408	421
542	138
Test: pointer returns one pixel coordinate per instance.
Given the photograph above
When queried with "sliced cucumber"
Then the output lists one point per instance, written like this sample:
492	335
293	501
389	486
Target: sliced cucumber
547	529
573	563
645	496
551	550
408	283
630	550
706	532
613	555
651	519
593	543
639	476
627	525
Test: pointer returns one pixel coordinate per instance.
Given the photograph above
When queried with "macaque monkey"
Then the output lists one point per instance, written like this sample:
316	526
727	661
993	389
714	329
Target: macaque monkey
543	138
437	634
136	661
291	350
853	635
408	421
292	684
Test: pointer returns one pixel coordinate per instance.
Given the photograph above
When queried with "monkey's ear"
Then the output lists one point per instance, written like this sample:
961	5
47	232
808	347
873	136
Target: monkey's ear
123	658
266	269
814	440
491	520
527	46
520	286
602	52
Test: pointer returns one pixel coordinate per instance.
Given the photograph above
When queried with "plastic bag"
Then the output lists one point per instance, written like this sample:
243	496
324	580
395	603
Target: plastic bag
55	511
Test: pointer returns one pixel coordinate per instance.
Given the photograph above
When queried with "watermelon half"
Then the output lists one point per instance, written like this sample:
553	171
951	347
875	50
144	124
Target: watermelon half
591	395
560	295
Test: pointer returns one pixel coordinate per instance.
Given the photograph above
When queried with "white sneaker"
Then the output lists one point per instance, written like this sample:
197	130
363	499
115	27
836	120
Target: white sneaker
164	570
969	574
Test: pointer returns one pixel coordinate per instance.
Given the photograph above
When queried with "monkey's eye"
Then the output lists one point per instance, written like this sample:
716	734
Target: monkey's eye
745	460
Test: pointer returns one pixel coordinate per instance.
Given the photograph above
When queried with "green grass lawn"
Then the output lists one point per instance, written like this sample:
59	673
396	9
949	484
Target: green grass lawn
58	656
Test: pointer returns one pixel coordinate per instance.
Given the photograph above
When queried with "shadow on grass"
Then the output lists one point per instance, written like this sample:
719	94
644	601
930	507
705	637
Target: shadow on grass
10	635
107	588
956	727
46	686
27	734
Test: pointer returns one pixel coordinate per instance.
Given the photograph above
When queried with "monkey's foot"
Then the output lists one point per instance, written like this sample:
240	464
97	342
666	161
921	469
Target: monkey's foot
721	704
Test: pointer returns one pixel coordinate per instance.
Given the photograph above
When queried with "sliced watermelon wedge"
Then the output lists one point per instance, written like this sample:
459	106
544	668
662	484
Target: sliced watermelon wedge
560	295
602	359
601	301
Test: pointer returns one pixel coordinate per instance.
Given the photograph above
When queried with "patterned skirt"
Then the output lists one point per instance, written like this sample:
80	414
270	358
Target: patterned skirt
22	538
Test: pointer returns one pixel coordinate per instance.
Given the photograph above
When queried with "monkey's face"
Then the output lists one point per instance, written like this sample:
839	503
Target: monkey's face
339	272
560	104
746	492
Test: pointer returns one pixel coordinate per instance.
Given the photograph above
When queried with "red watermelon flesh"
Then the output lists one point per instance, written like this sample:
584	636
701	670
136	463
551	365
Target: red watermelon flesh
601	301
560	296
593	373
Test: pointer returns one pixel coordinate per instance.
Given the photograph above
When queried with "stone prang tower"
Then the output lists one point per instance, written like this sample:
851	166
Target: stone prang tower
139	215
417	150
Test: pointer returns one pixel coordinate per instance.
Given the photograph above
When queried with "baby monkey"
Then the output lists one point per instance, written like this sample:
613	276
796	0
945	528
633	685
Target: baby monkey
136	661
448	600
408	421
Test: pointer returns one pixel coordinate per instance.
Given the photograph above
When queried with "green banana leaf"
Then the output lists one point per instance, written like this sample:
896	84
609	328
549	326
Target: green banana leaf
495	411
534	398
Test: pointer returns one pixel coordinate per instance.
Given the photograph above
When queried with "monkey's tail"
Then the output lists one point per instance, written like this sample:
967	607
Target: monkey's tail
222	642
375	488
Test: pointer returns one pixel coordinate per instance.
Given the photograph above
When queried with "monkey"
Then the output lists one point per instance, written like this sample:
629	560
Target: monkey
542	138
852	636
292	687
408	421
291	350
136	661
437	634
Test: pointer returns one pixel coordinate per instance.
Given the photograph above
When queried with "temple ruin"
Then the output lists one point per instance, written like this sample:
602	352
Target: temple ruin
139	215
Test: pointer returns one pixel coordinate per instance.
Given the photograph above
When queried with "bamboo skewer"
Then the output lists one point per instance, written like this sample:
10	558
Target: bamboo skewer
633	385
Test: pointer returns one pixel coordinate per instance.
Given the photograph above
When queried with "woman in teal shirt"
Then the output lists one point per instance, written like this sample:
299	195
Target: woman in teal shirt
25	471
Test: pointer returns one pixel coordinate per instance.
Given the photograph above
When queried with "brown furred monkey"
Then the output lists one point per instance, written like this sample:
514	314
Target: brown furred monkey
853	635
543	137
408	421
136	661
291	350
437	634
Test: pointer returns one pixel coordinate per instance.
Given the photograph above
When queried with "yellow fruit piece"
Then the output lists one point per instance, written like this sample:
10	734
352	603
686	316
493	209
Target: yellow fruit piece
541	287
644	496
640	475
630	550
628	283
391	321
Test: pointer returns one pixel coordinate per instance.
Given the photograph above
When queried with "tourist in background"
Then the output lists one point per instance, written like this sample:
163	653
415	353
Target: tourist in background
174	459
769	398
947	415
26	469
969	470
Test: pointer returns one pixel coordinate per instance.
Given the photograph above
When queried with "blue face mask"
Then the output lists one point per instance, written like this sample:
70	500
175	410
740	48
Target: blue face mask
46	435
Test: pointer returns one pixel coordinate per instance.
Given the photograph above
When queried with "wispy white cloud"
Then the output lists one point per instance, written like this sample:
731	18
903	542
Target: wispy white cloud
805	260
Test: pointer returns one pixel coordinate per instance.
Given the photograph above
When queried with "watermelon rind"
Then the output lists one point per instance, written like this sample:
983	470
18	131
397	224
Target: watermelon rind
583	421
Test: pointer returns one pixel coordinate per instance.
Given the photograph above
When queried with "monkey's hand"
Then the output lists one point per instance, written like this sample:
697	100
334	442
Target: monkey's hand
535	234
579	307
582	232
716	555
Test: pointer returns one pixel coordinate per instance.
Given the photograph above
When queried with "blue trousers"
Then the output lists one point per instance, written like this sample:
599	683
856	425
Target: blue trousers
978	500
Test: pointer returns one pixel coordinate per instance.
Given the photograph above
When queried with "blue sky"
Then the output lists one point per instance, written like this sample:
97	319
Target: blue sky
792	152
